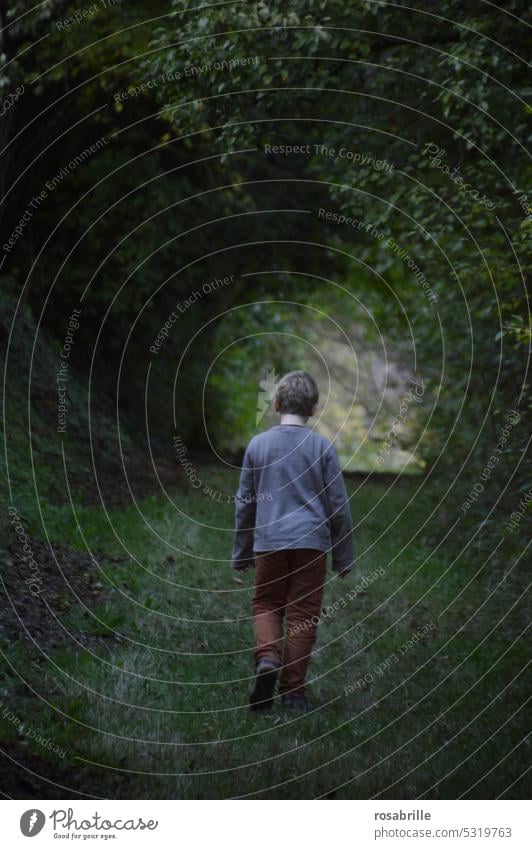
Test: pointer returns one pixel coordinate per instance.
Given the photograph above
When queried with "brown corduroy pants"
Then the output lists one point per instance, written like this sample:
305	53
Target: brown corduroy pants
288	583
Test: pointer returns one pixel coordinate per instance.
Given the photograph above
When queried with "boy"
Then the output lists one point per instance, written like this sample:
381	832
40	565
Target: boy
291	508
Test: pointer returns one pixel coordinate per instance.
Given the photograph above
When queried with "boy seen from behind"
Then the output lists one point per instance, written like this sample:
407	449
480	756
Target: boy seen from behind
291	509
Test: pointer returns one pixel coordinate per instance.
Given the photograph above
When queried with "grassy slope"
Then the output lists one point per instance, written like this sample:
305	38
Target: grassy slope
168	699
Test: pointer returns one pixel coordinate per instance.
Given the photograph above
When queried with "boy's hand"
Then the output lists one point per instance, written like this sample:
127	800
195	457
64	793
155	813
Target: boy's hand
243	567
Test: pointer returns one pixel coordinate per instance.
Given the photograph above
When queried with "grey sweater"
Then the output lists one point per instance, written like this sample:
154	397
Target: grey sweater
292	495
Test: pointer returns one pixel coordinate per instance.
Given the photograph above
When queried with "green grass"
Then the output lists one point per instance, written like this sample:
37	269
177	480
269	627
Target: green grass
165	705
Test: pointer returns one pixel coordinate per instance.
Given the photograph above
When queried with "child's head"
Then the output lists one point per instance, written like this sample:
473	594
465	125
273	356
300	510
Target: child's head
296	393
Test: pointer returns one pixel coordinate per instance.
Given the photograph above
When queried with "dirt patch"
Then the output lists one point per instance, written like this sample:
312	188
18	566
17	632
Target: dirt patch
43	590
119	484
25	775
42	585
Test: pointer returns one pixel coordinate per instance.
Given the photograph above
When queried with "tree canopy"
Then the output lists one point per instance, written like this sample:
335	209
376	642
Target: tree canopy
366	160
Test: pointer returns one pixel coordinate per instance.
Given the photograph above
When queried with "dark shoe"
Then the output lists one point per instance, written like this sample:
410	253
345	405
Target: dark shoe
266	678
296	703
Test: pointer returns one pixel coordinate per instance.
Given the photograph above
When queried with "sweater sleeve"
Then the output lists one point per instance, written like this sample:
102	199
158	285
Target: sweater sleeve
245	513
341	522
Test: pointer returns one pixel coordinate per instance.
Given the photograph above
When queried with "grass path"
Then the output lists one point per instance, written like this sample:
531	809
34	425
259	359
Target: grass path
417	677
